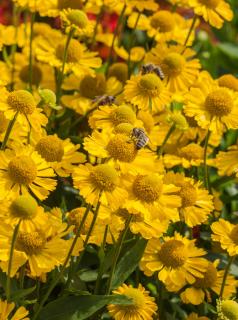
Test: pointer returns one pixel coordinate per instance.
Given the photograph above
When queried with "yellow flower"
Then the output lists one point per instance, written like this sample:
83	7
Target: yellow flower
213	107
179	66
227	310
6	309
142	5
32	5
194	316
212	11
119	70
226	162
148	92
53	8
136	53
228	81
227	234
177	260
22	170
143	306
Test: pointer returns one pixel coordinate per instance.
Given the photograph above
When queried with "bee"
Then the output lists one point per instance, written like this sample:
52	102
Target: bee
104	100
152	68
141	138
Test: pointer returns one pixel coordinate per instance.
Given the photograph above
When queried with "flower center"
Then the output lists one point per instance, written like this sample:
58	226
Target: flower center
191	152
188	194
22	101
137	297
151	84
24	207
75	217
90	87
228	81
104	177
227	310
123	114
30	243
172	254
71	4
22	170
209	280
36	74
147	119
121	148
119	70
3	122
212	4
163	21
74	52
234	234
147	188
50	148
219	103
124	128
178	120
78	17
173	64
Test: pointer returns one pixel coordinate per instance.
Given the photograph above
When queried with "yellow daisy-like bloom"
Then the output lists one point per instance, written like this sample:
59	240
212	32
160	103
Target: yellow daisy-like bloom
178	65
212	280
177	260
53	8
143	306
99	181
194	316
136	53
227	310
6	309
23	170
119	70
228	81
213	107
142	5
79	60
226	162
62	155
212	11
148	92
196	203
227	234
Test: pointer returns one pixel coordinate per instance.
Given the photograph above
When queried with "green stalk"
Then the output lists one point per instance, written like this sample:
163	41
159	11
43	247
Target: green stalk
206	173
160	150
231	259
190	32
8	132
33	16
96	25
132	44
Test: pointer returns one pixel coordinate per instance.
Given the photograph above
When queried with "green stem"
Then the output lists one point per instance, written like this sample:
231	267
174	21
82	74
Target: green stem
61	73
117	253
160	150
225	275
61	273
14	238
8	132
206	173
96	25
33	16
132	44
22	276
190	32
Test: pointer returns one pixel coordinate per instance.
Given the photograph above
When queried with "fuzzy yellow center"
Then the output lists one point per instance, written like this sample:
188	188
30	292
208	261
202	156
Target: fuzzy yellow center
30	243
78	17
121	148
150	84
191	152
228	81
147	119
173	254
228	310
219	103
179	121
69	4
137	298
119	70
123	114
212	4
163	21
3	122
209	279
22	170
22	101
188	194
90	87
124	128
74	51
104	177
50	148
173	64
36	74
147	188
24	207
234	234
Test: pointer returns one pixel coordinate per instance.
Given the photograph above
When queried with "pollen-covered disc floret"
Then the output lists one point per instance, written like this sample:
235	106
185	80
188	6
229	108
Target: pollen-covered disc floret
74	51
123	114
178	120
147	188
91	87
209	279
192	151
22	170
228	81
36	74
104	177
24	207
172	64
227	310
119	70
22	101
173	254
162	21
187	193
121	148
77	17
150	83
219	103
124	128
30	243
50	148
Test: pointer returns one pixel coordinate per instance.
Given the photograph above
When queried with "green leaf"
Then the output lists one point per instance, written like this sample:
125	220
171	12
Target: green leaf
228	49
18	294
80	307
128	262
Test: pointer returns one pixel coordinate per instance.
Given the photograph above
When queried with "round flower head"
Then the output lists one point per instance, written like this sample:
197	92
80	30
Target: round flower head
6	309
74	18
227	310
226	234
177	260
148	92
226	162
213	107
178	65
99	181
119	70
142	5
22	170
228	81
194	316
143	306
212	11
